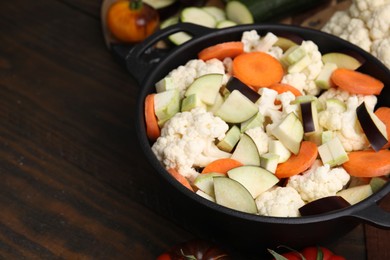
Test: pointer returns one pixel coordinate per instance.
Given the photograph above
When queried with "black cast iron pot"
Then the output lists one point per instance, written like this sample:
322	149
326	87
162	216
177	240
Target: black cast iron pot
242	230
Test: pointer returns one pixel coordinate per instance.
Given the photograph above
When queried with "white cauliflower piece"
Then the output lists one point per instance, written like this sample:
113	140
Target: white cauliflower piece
379	23
260	138
212	66
187	141
304	80
297	80
250	40
279	202
337	93
344	95
357	33
228	63
351	134
337	23
266	42
330	119
352	29
319	181
275	52
254	42
380	49
272	112
345	123
369	5
267	107
183	76
285	99
315	55
266	103
366	24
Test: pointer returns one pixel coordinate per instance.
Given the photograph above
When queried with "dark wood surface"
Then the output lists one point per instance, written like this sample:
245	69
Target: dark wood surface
74	184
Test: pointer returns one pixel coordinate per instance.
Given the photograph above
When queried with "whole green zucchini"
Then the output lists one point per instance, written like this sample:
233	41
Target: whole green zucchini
271	10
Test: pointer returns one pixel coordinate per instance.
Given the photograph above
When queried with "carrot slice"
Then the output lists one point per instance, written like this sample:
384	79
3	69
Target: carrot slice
257	69
368	163
222	165
383	113
356	82
298	163
152	128
221	51
180	178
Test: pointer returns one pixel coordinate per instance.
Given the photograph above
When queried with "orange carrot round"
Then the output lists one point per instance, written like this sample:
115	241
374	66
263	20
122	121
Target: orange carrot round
222	165
257	69
180	178
356	82
368	163
298	163
152	128
221	51
383	113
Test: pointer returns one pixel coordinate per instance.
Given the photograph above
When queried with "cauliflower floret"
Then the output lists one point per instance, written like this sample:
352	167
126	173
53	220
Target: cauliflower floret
343	96
337	93
285	99
187	141
366	24
337	23
253	42
297	80
304	80
272	112
352	29
369	5
344	123
279	202
266	103
351	134
212	66
315	56
357	33
301	81
182	77
260	138
363	9
319	181
275	52
379	23
380	49
267	107
330	119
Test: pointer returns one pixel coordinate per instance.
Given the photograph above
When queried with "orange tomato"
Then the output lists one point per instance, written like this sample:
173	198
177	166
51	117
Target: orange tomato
131	21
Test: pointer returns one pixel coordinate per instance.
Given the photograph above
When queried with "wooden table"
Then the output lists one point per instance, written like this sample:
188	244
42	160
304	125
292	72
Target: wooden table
74	184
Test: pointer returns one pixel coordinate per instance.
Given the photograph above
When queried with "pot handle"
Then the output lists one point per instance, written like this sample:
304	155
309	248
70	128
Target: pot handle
375	216
142	57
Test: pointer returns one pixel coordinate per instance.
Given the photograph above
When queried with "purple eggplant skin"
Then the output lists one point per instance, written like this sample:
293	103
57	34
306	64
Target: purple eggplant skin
307	117
235	83
324	205
370	129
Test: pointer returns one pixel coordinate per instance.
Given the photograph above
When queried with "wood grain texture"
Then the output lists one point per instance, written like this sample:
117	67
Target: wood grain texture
74	184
